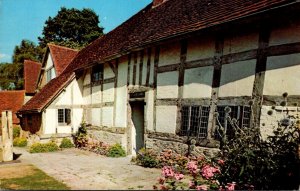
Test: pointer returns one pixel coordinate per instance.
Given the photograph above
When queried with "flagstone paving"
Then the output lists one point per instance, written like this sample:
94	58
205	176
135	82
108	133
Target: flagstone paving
86	170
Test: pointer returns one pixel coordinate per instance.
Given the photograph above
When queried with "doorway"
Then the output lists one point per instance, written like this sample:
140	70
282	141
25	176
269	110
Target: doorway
137	115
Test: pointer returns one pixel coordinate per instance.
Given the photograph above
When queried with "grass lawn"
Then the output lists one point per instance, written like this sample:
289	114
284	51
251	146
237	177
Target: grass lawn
27	177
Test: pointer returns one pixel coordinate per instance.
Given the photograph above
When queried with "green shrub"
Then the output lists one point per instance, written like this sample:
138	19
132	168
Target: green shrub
66	143
80	138
43	147
116	150
147	158
16	131
20	142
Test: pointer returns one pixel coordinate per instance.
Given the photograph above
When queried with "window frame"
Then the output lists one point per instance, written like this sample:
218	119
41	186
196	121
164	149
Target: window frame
64	116
195	122
97	74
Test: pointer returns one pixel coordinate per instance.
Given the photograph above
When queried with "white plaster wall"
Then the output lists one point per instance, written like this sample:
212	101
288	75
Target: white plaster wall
137	72
50	121
96	94
285	35
49	62
108	92
237	79
151	78
166	119
240	42
167	85
282	75
107	116
107	71
77	118
64	129
144	74
131	69
169	54
121	99
198	82
200	47
149	98
77	91
65	97
96	116
87	95
87	78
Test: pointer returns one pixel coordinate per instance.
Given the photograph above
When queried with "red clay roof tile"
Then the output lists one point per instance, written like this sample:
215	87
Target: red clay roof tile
12	100
172	18
62	56
31	73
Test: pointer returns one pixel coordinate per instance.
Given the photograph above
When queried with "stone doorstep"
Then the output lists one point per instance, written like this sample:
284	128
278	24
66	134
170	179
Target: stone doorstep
10	162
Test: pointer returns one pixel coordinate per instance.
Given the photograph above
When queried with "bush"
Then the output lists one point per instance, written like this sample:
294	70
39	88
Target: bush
66	143
20	142
80	138
146	158
43	147
265	164
116	150
16	131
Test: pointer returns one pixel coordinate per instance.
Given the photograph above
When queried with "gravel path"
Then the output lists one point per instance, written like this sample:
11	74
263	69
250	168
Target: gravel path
86	170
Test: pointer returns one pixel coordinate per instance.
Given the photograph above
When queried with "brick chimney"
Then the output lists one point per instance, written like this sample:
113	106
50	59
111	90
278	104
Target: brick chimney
156	3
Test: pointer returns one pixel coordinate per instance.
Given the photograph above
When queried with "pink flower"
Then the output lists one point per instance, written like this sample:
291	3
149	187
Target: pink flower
202	187
221	162
178	176
191	184
167	171
208	171
192	166
230	186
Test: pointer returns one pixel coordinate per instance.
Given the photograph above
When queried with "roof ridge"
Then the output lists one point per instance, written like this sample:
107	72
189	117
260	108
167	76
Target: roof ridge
62	47
32	61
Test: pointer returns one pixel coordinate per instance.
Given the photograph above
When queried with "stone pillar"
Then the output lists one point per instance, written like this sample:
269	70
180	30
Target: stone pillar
7	136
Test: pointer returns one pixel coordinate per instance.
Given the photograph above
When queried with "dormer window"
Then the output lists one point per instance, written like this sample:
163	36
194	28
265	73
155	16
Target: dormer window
97	73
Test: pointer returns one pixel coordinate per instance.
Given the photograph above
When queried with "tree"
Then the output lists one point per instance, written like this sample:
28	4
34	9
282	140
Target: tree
72	28
11	74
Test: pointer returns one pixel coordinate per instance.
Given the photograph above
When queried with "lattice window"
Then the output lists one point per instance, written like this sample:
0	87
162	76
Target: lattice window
241	113
194	121
97	73
64	116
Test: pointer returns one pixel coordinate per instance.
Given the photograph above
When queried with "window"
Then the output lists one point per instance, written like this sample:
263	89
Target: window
50	74
97	73
194	121
240	113
64	116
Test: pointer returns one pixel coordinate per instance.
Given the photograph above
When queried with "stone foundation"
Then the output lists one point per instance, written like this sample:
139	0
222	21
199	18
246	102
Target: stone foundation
178	145
108	136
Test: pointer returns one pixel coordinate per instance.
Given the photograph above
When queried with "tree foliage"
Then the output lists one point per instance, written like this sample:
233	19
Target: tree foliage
11	74
72	28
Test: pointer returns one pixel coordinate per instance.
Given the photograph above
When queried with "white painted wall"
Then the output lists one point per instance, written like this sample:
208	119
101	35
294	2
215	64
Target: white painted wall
239	42
149	98
167	85
107	116
282	75
166	119
121	91
200	47
96	94
96	116
285	35
107	72
197	82
237	79
169	54
108	92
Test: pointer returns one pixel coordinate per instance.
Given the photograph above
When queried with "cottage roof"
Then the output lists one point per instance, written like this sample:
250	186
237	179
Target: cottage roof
170	19
62	56
12	100
150	25
32	71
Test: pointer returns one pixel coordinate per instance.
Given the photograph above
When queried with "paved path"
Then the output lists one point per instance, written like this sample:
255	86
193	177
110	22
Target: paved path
86	170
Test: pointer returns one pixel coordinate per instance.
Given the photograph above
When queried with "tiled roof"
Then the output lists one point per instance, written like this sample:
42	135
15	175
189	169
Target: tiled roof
12	100
62	56
38	102
170	19
31	73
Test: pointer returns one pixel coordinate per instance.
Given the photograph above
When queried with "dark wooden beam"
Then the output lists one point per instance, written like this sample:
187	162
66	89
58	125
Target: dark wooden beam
128	70
148	66
134	68
141	67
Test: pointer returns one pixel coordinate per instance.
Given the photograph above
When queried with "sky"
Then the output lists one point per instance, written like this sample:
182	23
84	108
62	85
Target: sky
25	19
